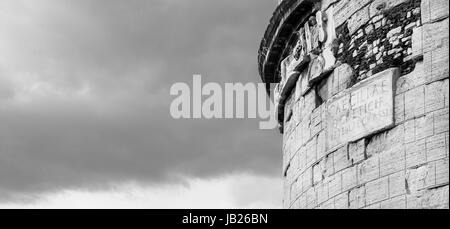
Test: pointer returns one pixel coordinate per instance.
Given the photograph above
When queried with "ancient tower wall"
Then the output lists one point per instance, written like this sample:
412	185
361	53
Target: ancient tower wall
363	102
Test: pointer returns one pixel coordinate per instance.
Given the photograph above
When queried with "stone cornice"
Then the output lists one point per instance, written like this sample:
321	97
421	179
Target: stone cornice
283	24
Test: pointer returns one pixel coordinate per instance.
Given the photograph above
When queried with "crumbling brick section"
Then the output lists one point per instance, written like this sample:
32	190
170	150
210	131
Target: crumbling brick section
382	42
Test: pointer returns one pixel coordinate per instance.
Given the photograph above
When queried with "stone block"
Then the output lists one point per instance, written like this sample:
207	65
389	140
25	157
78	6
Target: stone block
349	178
360	18
369	170
435	96
410	131
315	125
317	174
412	80
334	184
420	178
357	198
398	202
397	184
311	153
424	126
391	161
321	145
436	46
322	193
433	10
340	159
379	6
415	153
442	172
344	9
415	102
377	190
341	201
435	147
388	140
417	42
343	75
302	201
357	151
311	198
433	199
301	159
441	119
399	109
307	179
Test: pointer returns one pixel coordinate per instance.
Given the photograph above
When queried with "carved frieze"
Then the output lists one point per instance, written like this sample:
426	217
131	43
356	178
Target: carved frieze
311	59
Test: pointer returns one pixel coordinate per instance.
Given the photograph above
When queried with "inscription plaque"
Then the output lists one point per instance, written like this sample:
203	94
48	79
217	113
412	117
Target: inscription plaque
365	109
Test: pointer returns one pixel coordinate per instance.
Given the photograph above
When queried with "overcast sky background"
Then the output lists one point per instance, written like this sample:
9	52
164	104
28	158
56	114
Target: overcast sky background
84	105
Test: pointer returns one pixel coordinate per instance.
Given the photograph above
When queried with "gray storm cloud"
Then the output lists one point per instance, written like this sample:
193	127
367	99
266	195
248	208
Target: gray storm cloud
84	92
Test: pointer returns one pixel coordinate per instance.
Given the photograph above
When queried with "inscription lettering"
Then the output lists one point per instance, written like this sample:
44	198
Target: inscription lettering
363	110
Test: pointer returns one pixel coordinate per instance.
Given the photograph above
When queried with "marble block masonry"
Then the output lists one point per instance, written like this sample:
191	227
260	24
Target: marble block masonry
362	95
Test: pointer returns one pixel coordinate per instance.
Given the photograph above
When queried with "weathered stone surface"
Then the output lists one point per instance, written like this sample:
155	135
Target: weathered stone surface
442	172
415	102
342	74
334	184
399	108
311	152
419	178
433	10
338	81
358	19
311	198
424	127
410	131
326	3
315	124
316	69
357	151
378	6
322	193
436	147
345	9
436	46
415	153
307	179
363	110
412	80
391	161
417	42
338	151
388	140
435	96
340	159
349	178
341	201
302	160
369	170
317	174
328	45
321	145
377	190
398	202
435	198
441	121
357	198
397	184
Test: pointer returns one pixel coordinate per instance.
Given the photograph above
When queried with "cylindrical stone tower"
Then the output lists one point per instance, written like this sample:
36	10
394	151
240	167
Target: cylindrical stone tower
362	95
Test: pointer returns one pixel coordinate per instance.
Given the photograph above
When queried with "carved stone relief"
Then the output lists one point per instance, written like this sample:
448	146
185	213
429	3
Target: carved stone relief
312	57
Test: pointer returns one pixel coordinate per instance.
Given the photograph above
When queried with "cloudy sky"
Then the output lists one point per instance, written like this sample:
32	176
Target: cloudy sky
84	105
